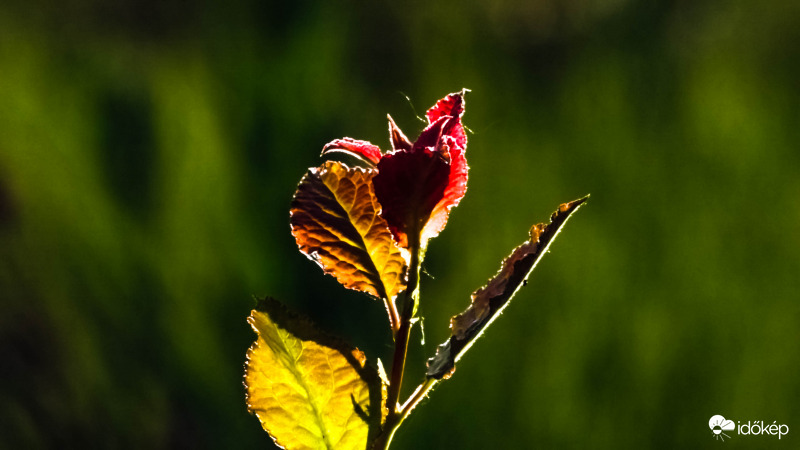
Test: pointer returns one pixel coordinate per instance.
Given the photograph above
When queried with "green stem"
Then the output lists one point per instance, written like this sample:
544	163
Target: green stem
394	422
420	393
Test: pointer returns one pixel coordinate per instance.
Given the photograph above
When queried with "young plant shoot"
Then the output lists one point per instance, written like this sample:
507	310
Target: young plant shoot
369	227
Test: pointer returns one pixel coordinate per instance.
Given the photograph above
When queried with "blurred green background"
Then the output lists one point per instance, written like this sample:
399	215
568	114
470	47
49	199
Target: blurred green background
149	151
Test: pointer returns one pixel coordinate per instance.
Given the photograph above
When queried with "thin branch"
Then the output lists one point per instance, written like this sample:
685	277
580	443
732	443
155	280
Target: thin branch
394	316
420	393
410	300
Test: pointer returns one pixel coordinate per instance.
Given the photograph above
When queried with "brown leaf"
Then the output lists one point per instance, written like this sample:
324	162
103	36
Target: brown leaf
336	222
398	139
489	301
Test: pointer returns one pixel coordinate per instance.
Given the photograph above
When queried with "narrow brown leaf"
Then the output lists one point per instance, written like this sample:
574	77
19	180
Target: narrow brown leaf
396	136
489	301
336	222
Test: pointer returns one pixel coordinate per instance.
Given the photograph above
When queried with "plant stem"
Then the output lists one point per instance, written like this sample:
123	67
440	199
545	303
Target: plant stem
394	422
394	316
398	366
409	309
420	393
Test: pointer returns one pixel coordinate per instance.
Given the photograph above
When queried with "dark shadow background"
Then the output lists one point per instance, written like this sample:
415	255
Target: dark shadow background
149	151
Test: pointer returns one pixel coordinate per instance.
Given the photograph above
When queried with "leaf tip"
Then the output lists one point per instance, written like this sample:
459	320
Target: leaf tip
564	207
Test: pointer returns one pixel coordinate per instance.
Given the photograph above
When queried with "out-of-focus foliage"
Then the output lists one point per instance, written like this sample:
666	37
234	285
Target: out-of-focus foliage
149	152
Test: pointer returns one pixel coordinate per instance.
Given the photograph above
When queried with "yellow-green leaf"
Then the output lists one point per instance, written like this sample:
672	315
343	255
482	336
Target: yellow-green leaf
309	390
336	222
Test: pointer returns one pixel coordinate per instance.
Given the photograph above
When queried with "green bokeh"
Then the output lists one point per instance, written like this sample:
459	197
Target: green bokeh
149	152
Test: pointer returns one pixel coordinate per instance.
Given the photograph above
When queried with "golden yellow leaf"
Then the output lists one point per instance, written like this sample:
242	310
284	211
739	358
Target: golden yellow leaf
309	390
336	222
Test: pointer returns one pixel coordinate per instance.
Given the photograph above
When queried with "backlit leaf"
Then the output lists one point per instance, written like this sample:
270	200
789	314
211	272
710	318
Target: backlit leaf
489	301
409	186
397	138
418	184
336	222
309	390
453	144
362	150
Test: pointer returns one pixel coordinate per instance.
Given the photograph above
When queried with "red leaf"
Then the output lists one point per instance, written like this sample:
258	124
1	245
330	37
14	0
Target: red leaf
453	106
455	190
409	186
362	150
418	183
417	192
446	136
